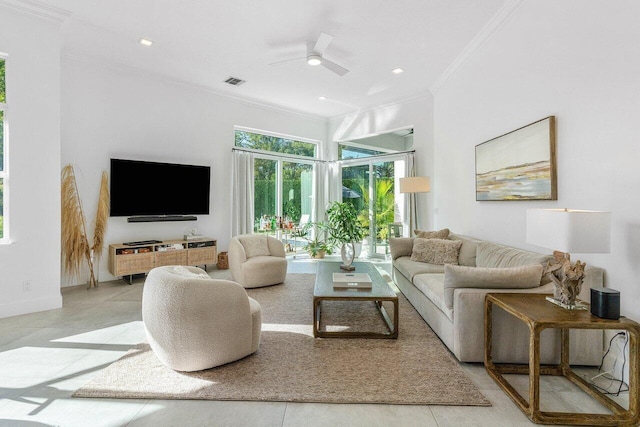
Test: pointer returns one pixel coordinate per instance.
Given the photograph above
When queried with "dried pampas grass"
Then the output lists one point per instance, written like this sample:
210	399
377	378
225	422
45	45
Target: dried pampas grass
75	241
102	215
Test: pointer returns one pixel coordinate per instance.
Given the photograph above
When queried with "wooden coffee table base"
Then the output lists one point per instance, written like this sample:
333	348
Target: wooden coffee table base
538	314
379	292
392	325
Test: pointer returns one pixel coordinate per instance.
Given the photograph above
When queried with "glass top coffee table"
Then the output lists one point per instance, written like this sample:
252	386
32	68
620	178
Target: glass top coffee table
380	291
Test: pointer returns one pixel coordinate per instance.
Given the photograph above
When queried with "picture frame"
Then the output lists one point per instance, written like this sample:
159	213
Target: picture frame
519	165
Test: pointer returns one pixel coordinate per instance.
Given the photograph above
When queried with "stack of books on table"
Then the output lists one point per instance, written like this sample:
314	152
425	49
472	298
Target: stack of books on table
351	281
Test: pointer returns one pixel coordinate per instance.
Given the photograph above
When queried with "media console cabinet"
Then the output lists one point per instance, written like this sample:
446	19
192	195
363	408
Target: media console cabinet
141	257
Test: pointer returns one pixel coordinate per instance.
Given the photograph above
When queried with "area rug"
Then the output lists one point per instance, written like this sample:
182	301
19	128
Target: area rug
292	366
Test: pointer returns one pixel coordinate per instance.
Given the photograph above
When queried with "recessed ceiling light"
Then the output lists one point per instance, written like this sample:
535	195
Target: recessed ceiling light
397	70
146	42
322	98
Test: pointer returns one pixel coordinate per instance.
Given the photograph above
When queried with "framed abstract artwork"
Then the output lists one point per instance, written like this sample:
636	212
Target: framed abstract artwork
519	165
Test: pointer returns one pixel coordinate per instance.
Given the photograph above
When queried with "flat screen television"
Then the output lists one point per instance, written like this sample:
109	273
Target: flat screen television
140	188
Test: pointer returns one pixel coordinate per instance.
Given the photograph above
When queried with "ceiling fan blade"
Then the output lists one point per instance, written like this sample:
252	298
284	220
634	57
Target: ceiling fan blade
341	71
287	60
322	43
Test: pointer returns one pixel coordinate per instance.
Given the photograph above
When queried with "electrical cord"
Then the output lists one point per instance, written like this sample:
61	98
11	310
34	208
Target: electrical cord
604	374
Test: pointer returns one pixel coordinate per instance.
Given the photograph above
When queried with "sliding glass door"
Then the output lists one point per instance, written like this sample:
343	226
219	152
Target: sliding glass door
370	185
283	198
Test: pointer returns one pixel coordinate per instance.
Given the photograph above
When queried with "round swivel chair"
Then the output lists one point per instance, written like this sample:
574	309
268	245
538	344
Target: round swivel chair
194	322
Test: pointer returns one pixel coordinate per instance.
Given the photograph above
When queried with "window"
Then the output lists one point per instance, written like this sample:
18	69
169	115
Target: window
369	185
283	176
349	152
274	143
3	153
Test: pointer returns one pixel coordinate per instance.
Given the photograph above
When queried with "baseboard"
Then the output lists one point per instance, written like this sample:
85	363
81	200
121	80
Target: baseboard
30	306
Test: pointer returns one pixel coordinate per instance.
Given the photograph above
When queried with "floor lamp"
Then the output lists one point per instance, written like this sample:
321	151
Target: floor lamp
412	185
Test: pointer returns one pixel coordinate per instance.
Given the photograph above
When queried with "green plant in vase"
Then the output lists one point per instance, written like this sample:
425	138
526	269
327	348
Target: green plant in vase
317	245
345	229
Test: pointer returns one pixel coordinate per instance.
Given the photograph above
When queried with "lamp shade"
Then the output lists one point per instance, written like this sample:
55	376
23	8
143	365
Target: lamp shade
569	230
415	184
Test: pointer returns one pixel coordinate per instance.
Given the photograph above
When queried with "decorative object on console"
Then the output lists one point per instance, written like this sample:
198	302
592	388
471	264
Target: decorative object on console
345	229
413	185
566	230
519	165
75	240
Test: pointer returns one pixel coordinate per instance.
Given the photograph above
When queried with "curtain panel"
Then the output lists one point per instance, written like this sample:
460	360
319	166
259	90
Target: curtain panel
242	190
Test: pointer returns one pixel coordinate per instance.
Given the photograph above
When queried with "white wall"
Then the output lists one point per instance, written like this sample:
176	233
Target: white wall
109	113
416	113
33	117
577	60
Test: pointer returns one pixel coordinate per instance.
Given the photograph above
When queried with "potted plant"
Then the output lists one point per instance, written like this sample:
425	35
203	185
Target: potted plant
344	229
317	245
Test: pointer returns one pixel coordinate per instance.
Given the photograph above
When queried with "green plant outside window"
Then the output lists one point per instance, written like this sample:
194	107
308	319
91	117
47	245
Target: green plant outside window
3	97
274	144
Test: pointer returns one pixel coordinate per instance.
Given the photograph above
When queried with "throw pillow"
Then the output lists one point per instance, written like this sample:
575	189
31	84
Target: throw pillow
255	245
436	251
400	246
440	234
494	255
457	276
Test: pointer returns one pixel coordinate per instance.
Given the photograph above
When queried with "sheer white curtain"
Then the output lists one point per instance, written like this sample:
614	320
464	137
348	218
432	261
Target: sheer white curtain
409	222
241	193
326	180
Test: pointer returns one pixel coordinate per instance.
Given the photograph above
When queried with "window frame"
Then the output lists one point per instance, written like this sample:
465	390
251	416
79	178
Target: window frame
4	172
280	158
314	142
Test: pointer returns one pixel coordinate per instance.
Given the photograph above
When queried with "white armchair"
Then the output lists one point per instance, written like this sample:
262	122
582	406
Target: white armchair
257	260
194	322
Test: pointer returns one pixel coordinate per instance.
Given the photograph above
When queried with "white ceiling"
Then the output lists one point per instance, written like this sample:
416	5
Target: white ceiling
202	42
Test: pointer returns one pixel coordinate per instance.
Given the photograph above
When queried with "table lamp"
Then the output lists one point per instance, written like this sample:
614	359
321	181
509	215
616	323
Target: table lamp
564	231
414	184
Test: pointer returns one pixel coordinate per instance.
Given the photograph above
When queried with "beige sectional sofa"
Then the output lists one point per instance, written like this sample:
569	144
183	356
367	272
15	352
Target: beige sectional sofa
452	303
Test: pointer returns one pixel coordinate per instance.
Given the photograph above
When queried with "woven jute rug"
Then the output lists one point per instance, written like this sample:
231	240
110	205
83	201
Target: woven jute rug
292	366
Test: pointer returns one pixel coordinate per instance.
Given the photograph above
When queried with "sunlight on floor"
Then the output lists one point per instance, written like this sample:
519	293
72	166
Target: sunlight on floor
294	329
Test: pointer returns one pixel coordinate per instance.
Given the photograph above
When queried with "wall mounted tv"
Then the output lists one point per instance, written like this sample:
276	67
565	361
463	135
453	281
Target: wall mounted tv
159	191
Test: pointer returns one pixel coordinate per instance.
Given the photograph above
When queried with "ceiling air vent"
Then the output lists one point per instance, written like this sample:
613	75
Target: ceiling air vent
234	81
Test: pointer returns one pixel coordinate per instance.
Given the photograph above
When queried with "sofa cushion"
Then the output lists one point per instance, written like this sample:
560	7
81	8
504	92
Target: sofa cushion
456	276
498	256
255	245
436	251
440	234
467	250
400	246
432	286
410	268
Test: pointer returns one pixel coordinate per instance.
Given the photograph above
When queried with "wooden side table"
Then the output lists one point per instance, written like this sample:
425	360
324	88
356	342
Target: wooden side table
539	314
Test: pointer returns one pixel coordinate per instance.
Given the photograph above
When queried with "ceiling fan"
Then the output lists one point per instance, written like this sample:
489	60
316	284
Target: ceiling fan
315	50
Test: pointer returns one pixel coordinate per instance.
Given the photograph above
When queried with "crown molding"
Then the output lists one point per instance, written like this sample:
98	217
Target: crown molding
123	68
499	19
37	9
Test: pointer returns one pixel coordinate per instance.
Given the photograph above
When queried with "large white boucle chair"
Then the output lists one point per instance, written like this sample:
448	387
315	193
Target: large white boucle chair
194	322
257	260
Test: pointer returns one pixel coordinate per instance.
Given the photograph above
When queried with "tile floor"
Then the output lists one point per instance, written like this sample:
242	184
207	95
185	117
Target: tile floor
46	356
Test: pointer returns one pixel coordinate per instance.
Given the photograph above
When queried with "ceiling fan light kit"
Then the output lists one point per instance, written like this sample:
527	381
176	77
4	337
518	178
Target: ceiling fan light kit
314	60
315	52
